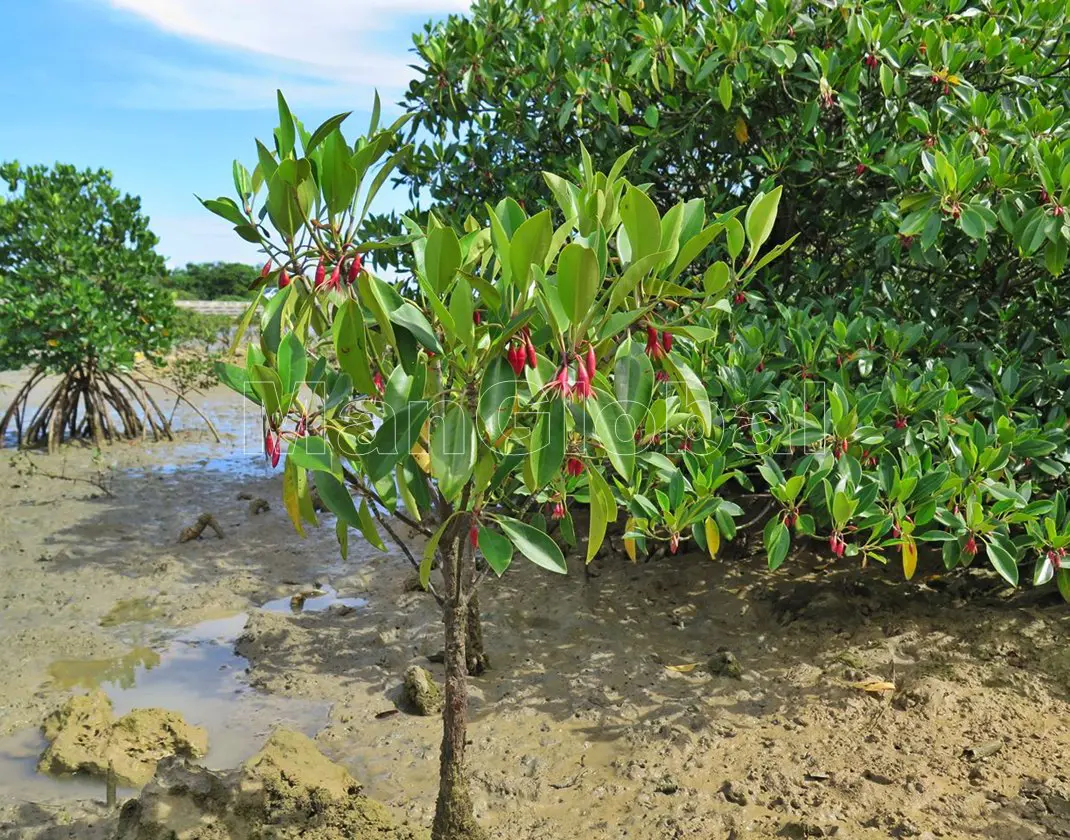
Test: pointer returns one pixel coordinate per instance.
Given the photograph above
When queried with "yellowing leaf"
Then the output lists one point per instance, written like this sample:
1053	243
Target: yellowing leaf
629	544
713	538
910	557
874	685
422	459
742	132
683	669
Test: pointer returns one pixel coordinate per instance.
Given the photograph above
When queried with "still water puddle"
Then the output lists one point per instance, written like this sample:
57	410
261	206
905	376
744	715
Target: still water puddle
198	674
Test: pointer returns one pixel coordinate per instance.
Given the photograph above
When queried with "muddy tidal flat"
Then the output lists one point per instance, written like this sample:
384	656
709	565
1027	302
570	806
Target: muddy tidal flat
607	712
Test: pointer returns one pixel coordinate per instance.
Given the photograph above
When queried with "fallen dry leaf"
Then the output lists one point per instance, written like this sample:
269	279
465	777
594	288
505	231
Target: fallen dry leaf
683	669
874	685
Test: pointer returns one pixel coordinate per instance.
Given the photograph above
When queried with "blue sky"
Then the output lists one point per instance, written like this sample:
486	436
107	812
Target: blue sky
166	93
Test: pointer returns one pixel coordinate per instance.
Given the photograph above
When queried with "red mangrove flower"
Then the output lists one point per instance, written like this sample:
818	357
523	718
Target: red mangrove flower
1044	198
739	299
685	445
1056	558
1057	210
837	544
473	535
674	543
302	427
789	519
760	368
558	511
897	532
377	378
666	341
592	362
266	270
871	61
560	383
900	422
477	317
661	376
860	170
354	269
284	279
272	448
582	389
515	355
574	467
653	347
529	355
336	277
321	275
970	547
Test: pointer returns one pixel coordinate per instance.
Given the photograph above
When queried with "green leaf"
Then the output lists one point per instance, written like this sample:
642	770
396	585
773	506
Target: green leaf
413	320
548	443
724	90
394	439
497	398
761	215
693	395
442	257
284	135
367	526
453	451
529	246
237	379
336	497
533	544
326	127
314	453
577	280
615	431
349	346
642	224
603	511
1062	580
497	550
293	364
1003	555
777	542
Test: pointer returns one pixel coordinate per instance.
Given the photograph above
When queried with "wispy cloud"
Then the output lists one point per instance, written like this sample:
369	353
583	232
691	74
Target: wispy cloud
323	52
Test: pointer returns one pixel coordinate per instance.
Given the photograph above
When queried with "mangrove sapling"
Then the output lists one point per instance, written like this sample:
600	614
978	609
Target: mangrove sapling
513	383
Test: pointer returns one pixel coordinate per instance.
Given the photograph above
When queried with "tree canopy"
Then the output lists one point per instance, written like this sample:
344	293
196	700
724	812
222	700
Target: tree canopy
922	146
213	280
79	270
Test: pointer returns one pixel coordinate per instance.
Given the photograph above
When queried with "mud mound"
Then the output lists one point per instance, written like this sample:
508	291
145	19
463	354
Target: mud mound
287	790
85	737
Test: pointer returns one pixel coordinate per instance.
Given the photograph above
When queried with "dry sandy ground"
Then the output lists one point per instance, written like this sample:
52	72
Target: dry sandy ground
580	728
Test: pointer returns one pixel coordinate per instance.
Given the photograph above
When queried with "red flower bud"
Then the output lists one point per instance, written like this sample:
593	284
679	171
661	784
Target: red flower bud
761	367
355	267
1044	197
558	511
321	275
674	543
273	448
380	386
592	362
561	385
900	422
516	359
653	347
739	299
970	547
477	317
685	445
473	536
336	274
529	352
582	389
266	270
284	279
574	467
860	170
666	341
661	376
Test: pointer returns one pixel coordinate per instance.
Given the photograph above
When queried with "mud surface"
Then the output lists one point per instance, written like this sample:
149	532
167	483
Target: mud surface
592	721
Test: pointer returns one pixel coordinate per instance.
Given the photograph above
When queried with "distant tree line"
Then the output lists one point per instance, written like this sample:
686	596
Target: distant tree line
212	280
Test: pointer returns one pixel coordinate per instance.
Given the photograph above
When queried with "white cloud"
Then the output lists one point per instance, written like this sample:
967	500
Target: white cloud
322	52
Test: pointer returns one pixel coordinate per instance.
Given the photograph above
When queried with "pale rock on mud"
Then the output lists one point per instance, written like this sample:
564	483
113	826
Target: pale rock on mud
287	790
85	737
421	693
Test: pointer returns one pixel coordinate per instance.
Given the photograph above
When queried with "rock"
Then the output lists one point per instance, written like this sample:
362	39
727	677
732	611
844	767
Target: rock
732	792
421	693
724	664
85	737
288	790
667	784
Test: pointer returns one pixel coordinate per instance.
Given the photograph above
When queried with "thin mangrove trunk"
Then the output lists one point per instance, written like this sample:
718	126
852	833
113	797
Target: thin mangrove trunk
454	818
